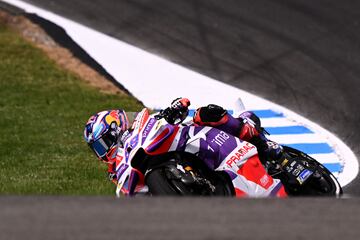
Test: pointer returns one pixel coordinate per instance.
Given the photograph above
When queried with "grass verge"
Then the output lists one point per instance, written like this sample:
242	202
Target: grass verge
43	110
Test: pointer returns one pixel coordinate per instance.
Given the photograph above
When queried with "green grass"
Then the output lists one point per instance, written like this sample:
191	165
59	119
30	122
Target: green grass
43	110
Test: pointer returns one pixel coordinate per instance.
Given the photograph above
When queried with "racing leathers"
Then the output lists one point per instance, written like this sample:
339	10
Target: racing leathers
247	126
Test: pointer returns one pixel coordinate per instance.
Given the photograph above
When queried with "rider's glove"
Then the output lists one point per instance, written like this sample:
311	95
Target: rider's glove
180	109
177	112
111	176
180	104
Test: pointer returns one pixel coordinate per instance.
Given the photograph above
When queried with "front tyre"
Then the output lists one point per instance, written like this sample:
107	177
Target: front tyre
161	183
178	177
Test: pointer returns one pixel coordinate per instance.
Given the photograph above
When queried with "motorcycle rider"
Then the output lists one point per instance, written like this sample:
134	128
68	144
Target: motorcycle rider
247	126
104	130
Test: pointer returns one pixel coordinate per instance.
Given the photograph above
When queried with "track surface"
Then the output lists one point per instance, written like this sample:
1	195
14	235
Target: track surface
34	218
304	55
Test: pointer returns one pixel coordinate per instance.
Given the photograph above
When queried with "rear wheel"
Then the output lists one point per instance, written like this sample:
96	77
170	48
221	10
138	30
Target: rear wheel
321	183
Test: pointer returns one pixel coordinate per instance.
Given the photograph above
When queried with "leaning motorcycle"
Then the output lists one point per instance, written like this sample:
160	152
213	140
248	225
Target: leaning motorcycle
158	158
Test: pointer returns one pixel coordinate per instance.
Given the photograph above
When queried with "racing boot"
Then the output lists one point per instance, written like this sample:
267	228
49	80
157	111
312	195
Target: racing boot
270	154
269	150
251	131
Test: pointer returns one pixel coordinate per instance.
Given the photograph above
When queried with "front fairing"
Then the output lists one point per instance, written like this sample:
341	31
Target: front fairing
148	135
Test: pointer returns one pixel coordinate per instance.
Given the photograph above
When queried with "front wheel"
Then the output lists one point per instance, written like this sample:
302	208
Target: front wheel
160	182
178	177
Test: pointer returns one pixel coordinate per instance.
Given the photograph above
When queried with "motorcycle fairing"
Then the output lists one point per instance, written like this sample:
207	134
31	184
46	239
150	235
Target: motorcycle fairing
154	136
161	142
140	120
239	159
253	176
219	150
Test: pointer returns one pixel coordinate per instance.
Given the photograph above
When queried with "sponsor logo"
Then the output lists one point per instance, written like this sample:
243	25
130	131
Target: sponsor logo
134	141
121	170
220	138
304	175
264	180
160	123
284	162
294	167
148	127
239	154
296	172
119	156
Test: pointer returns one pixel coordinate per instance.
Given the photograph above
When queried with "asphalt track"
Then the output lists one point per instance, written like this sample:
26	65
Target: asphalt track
62	218
304	55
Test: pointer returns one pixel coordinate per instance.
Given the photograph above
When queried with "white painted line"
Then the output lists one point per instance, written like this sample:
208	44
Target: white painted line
156	81
277	122
336	174
297	138
325	157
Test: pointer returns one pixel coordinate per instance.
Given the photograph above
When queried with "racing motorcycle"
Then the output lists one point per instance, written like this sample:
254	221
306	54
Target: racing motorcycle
158	158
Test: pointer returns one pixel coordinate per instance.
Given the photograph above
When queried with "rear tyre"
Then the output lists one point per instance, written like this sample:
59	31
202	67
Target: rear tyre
321	183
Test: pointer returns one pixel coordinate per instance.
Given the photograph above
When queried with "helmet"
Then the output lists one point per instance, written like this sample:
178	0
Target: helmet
103	131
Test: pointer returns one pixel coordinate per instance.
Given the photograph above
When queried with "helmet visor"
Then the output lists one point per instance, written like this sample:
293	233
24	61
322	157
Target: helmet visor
102	145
